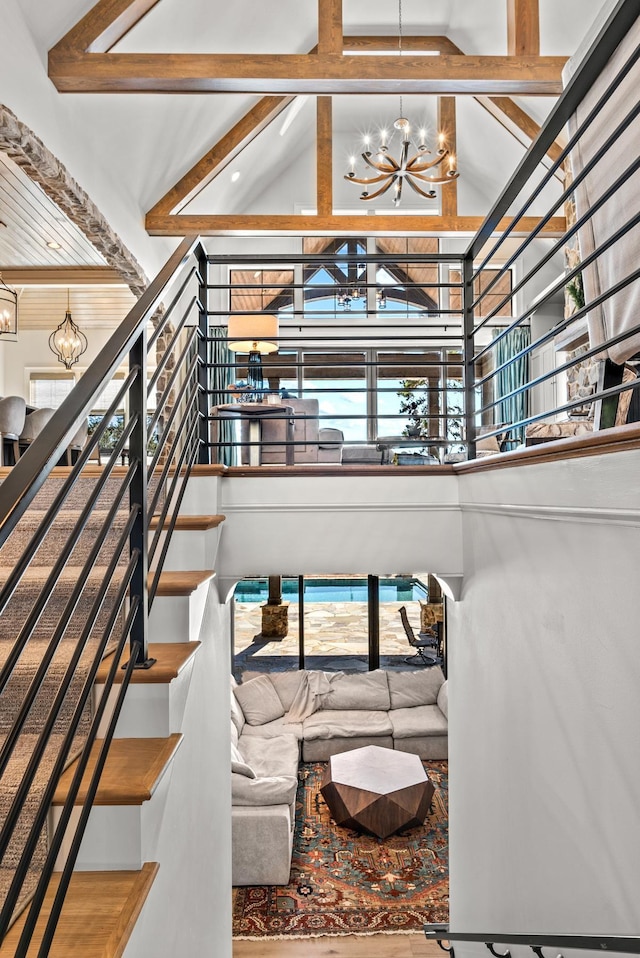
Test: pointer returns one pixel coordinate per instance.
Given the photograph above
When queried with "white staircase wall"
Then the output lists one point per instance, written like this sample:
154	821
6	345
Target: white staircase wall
188	909
120	836
178	618
544	709
191	549
149	710
291	525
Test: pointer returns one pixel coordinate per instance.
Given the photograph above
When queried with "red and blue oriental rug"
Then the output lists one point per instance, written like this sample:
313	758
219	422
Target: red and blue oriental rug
343	882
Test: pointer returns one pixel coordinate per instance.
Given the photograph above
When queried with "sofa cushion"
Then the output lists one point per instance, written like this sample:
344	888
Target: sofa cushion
409	689
280	757
349	723
367	690
238	763
268	790
286	685
279	726
422	720
237	715
234	734
330	438
259	700
443	699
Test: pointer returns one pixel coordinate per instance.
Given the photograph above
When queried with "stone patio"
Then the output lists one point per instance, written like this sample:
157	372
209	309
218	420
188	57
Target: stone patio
335	637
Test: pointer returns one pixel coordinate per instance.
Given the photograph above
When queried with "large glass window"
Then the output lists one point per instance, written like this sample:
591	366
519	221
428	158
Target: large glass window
338	382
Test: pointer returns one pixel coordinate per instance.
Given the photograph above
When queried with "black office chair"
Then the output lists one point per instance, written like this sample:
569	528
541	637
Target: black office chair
421	642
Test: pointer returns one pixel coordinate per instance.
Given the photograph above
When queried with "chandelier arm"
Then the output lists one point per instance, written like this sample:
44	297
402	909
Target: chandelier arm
404	154
414	166
373	179
381	191
416	189
436	179
392	168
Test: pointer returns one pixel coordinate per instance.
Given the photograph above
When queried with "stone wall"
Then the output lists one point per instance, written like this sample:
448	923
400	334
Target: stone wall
29	152
582	381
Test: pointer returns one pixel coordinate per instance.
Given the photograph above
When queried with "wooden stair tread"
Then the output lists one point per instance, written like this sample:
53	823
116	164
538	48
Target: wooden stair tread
98	916
171	658
181	583
133	768
192	523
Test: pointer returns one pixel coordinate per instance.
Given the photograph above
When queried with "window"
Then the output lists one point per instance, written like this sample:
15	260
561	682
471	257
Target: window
50	389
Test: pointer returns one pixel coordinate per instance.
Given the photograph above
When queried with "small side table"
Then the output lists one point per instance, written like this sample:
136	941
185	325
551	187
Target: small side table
377	790
255	412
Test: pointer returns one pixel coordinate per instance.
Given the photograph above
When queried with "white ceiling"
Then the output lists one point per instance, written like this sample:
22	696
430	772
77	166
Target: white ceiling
29	221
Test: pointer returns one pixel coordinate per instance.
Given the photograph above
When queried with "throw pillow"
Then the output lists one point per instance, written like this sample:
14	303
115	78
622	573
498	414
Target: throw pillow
259	701
286	685
409	689
239	765
367	690
236	712
443	699
271	790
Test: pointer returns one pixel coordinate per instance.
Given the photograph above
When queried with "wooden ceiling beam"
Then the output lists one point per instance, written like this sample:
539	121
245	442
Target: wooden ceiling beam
224	152
62	276
523	28
436	44
103	26
330	27
322	74
447	126
324	156
520	124
294	225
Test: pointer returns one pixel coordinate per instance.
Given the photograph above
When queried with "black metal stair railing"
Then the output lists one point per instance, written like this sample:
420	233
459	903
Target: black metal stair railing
85	562
620	944
501	380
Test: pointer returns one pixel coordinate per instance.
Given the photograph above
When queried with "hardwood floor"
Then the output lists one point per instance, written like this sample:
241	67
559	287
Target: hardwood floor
347	946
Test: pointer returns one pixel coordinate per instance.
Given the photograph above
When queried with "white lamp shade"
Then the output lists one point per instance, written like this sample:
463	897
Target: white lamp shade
251	334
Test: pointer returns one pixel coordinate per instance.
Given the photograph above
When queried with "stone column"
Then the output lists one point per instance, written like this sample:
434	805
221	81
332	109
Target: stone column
275	614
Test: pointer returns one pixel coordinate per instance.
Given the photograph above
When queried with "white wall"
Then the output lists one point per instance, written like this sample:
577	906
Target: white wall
544	706
315	525
188	911
544	663
31	352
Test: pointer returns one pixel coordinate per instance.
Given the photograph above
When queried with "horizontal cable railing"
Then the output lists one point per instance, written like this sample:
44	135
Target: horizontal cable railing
81	565
566	360
367	396
367	359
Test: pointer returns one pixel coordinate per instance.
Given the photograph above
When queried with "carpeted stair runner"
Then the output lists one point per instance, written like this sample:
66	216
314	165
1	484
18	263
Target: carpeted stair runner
13	617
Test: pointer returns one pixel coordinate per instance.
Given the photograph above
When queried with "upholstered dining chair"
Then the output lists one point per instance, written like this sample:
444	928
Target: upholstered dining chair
34	423
77	442
13	410
421	642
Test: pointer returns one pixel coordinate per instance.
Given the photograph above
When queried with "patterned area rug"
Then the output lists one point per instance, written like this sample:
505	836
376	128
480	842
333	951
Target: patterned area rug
346	883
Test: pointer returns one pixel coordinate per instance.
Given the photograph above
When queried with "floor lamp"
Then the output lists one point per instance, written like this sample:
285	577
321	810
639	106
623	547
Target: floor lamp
252	334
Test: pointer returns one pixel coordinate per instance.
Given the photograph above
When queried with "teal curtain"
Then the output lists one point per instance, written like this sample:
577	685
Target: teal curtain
222	375
516	374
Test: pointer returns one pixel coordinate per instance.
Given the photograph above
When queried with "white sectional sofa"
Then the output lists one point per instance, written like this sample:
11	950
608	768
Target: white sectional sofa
280	718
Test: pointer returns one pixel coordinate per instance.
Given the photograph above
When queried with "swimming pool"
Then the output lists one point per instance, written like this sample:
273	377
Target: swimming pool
348	589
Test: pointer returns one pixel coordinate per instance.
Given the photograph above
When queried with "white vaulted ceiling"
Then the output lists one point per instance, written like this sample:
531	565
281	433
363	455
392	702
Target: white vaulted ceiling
126	151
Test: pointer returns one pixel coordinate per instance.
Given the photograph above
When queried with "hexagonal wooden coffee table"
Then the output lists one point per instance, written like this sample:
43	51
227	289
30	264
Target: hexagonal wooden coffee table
377	790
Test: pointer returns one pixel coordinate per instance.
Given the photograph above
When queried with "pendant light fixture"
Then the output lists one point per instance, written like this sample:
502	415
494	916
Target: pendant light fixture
67	341
8	310
411	165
